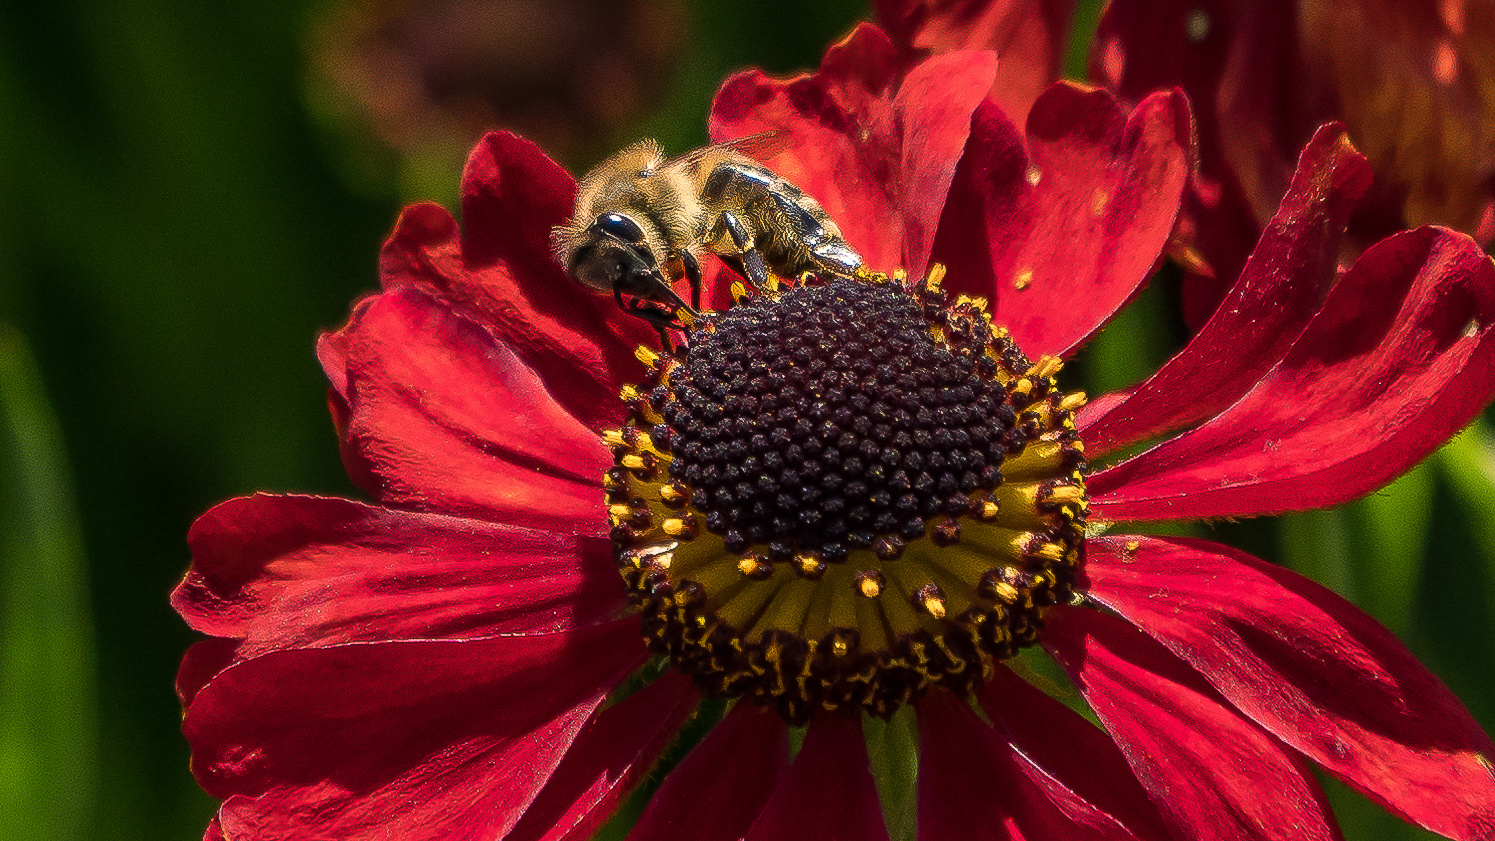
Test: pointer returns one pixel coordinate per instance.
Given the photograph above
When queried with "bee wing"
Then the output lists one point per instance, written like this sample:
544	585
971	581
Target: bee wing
758	146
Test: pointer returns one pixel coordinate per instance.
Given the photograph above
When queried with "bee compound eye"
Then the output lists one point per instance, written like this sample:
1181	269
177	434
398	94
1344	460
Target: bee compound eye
620	226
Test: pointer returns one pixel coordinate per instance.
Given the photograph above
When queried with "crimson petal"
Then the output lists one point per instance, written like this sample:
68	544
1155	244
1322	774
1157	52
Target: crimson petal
1398	360
1212	772
301	571
722	784
841	118
1227	55
1278	292
610	755
504	452
828	793
884	149
1072	234
418	740
973	785
1029	42
1312	669
202	661
501	270
1079	757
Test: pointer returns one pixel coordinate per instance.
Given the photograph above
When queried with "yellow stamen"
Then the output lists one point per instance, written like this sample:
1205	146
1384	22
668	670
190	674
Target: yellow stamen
1050	551
1005	592
1064	495
749	566
645	355
811	566
934	277
1073	401
1047	366
933	605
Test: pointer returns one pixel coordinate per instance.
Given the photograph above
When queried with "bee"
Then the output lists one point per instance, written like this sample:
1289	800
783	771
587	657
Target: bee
643	221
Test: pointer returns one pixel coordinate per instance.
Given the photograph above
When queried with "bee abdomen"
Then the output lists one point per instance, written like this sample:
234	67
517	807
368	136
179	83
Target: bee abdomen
792	230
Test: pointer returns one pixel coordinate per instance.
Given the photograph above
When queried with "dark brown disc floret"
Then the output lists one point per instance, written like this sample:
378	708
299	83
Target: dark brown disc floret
840	494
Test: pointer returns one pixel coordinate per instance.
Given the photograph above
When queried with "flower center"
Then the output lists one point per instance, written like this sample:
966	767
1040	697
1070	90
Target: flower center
842	494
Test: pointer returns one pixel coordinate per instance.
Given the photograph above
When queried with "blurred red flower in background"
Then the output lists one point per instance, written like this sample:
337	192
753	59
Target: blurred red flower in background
1028	36
1414	84
438	663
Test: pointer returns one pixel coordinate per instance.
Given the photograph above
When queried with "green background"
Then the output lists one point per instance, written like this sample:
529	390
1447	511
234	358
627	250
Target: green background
176	225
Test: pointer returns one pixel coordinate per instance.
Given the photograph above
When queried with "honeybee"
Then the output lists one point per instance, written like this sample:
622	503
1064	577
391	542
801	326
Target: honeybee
642	222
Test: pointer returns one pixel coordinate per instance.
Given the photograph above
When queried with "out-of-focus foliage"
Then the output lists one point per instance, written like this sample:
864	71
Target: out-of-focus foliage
48	763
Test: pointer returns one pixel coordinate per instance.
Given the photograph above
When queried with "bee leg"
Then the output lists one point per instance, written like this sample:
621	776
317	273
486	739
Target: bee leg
753	267
660	321
692	274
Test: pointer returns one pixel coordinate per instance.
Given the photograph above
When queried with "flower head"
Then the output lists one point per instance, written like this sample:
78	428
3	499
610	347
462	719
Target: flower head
841	498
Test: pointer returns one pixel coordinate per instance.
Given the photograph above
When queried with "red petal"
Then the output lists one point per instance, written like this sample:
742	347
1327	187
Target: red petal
1028	41
501	270
1078	757
1398	359
1212	772
613	752
973	785
416	740
1311	668
1069	249
933	107
1244	96
446	417
716	792
202	661
295	571
828	793
842	148
1278	292
880	161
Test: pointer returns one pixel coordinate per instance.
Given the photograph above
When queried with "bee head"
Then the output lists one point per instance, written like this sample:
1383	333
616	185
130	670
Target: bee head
613	253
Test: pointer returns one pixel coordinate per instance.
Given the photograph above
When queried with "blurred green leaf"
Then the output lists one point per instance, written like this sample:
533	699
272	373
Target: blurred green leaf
1081	36
1468	463
893	751
1390	545
1370	551
47	746
1316	543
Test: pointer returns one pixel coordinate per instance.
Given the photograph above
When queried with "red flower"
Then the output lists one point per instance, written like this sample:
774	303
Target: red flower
1028	36
1412	82
438	664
